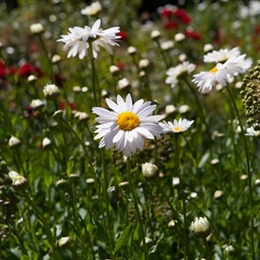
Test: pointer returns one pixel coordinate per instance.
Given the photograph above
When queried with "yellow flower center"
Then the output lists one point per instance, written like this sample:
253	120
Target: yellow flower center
127	121
176	129
213	70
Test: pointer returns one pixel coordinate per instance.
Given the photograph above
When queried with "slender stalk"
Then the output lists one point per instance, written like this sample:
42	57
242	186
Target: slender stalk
137	211
46	56
162	53
248	170
208	251
95	87
181	191
109	220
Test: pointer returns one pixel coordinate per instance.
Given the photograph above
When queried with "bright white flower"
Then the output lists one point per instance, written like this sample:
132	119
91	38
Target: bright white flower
176	126
221	73
127	125
78	39
250	131
176	73
92	10
222	55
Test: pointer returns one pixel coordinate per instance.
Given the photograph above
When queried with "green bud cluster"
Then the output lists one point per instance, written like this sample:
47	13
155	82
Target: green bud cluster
251	96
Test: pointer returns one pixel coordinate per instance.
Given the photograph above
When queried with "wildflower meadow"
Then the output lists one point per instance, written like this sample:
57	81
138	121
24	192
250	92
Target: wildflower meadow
129	130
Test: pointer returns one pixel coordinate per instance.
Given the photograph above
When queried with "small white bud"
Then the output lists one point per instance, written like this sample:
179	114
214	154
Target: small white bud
131	50
179	37
155	34
13	141
46	142
149	170
36	28
51	90
200	227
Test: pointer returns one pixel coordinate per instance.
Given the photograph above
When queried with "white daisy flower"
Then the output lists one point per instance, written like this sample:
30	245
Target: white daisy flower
176	73
176	126
224	54
78	39
127	125
250	131
221	55
221	74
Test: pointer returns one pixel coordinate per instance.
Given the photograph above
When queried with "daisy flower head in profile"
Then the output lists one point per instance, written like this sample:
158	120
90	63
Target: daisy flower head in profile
179	72
223	55
127	124
78	40
177	126
220	74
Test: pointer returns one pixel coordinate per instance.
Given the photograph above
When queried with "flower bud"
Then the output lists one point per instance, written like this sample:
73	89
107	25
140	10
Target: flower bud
155	34
36	28
149	170
200	227
64	242
13	142
46	142
18	181
51	90
179	37
131	50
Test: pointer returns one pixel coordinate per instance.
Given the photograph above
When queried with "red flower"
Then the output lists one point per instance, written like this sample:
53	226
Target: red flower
192	35
28	69
166	13
182	16
63	105
123	35
170	25
3	70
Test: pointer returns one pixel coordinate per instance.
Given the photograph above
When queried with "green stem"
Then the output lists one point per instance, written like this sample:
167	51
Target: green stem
208	251
182	195
137	211
162	53
248	170
46	56
78	138
95	87
109	220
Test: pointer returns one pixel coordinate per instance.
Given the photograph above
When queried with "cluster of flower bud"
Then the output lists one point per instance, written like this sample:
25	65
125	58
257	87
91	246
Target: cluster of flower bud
251	96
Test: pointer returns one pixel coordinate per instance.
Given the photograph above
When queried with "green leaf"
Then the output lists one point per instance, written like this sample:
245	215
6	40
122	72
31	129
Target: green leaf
123	238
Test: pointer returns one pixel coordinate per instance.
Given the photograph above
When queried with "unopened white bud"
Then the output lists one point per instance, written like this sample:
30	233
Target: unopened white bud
131	50
149	170
200	227
13	142
46	142
51	90
155	34
36	28
179	37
